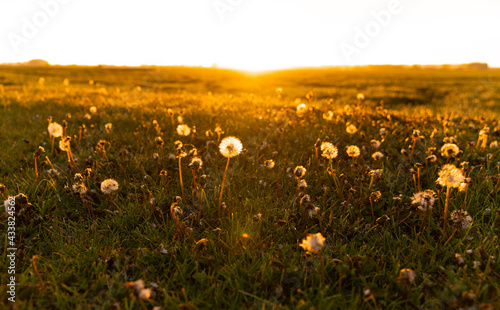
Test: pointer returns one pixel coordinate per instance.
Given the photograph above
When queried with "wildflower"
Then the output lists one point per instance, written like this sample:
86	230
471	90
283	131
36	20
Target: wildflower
377	156
156	156
66	82
87	116
108	186
230	147
461	219
108	127
55	130
382	132
41	81
353	151
93	110
450	176
360	96
375	143
299	171
269	164
351	129
329	151
425	200
183	130
313	243
494	144
406	276
449	150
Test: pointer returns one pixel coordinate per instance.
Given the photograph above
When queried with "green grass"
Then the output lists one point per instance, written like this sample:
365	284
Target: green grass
86	263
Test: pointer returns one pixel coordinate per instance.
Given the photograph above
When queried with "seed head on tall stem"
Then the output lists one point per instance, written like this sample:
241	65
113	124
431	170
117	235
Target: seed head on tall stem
229	147
449	177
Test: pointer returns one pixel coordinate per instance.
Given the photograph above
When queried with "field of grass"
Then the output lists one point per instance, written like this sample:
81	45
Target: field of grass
84	249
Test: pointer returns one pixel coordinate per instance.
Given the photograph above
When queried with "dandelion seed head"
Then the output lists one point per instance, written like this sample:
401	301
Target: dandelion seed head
449	150
328	115
183	130
351	129
461	219
329	151
375	143
55	130
79	188
377	156
302	184
313	243
424	200
108	186
301	109
64	144
431	158
299	171
144	293
269	164
407	276
230	147
196	163
353	151
450	176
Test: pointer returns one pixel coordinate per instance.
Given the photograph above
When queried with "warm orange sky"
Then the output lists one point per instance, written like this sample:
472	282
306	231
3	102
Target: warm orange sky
251	34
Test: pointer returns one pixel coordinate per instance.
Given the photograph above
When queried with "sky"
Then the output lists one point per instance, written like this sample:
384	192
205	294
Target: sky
250	34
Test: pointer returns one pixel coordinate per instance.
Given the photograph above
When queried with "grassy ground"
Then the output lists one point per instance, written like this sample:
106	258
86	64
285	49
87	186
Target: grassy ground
254	259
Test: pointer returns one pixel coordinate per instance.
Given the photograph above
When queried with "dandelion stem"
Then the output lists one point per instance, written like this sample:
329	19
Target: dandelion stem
446	209
317	159
222	187
36	270
195	185
180	177
36	170
418	176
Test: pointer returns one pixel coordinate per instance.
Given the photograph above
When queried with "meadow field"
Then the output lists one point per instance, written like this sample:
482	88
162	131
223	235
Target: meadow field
364	188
